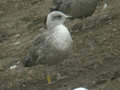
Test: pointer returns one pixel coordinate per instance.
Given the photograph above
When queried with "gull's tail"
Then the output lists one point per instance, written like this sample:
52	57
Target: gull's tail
30	60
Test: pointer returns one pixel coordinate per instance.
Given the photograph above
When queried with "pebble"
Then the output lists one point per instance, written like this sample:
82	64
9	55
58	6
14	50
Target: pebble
13	67
80	88
105	6
17	35
17	43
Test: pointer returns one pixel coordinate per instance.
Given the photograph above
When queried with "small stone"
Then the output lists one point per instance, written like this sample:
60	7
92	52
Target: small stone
105	6
110	23
17	43
13	67
24	85
114	29
17	35
80	88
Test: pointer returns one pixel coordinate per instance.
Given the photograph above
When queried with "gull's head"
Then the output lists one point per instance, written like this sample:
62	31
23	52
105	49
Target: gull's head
56	18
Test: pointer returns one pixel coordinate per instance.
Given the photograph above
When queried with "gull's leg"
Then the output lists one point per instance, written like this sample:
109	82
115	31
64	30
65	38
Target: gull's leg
49	78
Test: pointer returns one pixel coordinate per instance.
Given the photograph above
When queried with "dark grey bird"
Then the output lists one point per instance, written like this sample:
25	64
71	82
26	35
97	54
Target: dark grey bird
75	8
52	46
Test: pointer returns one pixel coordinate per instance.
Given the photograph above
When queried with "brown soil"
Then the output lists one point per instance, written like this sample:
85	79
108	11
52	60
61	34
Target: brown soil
95	62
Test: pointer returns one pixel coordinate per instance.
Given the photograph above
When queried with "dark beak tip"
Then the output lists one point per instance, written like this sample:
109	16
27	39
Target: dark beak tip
71	18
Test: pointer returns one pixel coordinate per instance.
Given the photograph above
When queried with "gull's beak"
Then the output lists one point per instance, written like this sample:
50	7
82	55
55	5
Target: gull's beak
70	17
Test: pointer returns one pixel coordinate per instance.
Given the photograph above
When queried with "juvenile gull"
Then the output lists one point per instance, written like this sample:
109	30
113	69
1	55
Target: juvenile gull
52	46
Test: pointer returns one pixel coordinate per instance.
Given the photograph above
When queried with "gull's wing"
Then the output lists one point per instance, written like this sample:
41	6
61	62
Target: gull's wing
36	51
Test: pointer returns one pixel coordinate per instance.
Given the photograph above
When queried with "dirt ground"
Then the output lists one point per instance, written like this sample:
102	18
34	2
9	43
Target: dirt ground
94	63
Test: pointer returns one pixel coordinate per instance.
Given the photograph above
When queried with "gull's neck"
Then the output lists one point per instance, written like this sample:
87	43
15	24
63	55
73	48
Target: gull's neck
51	27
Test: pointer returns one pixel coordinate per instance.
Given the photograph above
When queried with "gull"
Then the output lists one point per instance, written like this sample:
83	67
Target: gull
52	46
76	8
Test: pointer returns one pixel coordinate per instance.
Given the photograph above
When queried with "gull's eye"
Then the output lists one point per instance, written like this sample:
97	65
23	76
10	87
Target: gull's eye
57	17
